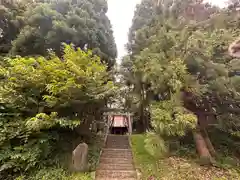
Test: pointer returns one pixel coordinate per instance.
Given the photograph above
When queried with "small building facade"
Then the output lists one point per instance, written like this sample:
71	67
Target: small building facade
119	123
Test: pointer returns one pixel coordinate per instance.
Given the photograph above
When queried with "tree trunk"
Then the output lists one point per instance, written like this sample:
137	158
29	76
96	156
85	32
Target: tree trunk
142	114
204	121
209	143
147	116
201	145
143	122
142	118
139	126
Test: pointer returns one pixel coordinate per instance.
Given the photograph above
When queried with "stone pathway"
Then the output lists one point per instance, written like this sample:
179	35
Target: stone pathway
116	161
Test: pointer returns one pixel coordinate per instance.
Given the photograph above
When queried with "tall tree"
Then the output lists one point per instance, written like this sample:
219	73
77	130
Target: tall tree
179	31
11	21
47	96
48	24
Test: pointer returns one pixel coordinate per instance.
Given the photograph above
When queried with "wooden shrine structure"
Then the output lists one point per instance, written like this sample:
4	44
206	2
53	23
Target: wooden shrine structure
119	122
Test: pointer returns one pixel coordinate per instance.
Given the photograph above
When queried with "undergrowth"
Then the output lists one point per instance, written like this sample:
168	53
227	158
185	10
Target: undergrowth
56	174
180	164
57	167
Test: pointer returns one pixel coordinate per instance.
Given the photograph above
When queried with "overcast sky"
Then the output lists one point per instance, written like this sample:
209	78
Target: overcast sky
120	13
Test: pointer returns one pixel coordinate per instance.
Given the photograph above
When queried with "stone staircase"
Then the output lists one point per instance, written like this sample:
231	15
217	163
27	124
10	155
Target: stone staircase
116	162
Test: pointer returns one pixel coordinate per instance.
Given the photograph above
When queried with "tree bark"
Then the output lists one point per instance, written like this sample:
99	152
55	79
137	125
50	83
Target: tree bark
143	118
201	145
204	122
209	143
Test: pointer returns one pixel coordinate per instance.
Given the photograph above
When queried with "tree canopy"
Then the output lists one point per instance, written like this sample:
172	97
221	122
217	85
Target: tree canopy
44	94
48	24
180	78
55	78
178	67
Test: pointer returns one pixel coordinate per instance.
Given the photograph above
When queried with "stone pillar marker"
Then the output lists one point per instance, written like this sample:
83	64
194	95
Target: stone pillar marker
80	158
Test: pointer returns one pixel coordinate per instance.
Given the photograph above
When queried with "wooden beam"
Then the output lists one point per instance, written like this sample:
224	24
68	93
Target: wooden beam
117	113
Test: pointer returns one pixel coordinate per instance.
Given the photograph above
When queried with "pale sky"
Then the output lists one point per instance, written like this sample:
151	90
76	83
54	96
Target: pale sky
120	13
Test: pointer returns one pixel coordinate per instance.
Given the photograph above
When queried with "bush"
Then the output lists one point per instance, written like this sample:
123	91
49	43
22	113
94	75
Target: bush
56	174
47	96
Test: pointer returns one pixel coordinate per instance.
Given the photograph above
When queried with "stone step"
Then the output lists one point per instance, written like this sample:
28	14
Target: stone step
116	150
108	155
116	174
117	146
117	137
115	160
122	137
117	142
117	155
110	166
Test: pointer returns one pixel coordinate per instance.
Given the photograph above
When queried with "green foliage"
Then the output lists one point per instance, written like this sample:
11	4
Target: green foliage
55	174
21	152
54	83
47	96
48	87
174	167
178	68
11	20
155	145
95	147
141	156
38	26
168	120
42	121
